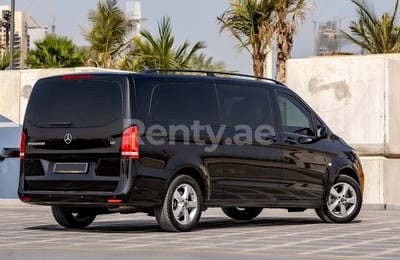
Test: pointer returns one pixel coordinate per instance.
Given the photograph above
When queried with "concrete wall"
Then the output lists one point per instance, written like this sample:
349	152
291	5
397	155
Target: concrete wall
10	94
358	96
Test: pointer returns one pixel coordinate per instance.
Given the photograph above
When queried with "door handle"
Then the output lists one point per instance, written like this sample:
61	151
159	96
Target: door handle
269	138
289	140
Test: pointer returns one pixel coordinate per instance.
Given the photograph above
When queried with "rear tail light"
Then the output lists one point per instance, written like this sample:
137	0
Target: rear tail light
22	146
130	143
114	200
25	199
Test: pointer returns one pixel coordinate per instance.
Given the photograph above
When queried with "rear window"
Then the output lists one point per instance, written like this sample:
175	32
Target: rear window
78	103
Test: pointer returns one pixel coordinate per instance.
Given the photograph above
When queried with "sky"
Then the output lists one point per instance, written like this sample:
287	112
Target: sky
193	20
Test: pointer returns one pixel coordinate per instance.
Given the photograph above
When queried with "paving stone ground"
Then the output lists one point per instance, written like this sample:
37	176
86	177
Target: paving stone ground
30	232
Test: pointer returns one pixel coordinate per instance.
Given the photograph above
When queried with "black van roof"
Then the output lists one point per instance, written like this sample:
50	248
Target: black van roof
209	73
176	72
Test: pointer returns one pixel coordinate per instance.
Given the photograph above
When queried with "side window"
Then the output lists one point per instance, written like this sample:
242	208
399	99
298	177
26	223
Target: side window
184	103
245	105
294	116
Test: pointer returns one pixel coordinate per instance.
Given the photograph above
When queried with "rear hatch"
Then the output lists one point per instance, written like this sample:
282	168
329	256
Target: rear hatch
72	135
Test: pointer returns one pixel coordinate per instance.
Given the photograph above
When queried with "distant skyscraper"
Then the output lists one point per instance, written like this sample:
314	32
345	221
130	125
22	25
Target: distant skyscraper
329	39
134	12
25	28
20	38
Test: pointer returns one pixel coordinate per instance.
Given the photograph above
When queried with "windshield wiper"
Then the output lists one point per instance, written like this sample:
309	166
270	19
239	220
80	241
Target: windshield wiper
56	124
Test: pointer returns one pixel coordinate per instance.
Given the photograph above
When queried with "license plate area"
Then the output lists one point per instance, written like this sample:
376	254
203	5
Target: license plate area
74	168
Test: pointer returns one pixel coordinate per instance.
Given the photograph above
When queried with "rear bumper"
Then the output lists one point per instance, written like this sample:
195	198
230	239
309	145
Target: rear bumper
132	196
130	188
73	200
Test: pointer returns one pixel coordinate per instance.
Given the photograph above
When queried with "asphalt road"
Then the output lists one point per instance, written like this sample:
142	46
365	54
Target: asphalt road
29	232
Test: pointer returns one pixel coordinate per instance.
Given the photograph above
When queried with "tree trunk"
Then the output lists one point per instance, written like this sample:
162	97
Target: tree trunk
284	47
258	65
282	70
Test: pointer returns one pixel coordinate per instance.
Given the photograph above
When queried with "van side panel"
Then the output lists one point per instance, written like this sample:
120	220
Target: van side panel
171	146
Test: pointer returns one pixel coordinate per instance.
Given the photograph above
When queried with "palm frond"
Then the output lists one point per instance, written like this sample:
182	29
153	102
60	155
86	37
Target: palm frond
374	34
160	50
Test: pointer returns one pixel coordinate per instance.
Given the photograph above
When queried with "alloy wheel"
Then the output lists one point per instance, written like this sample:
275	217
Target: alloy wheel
342	200
184	205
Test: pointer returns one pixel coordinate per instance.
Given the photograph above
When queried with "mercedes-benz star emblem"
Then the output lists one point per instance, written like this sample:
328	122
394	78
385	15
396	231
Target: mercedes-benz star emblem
67	138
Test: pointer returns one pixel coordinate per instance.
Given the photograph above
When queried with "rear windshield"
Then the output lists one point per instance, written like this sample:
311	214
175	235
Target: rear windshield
75	103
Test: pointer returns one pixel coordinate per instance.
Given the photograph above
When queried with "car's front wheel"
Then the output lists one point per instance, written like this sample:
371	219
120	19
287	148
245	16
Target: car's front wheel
343	203
181	209
72	218
240	213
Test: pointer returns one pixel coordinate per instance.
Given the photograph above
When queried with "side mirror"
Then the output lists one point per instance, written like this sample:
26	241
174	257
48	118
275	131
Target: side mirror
322	132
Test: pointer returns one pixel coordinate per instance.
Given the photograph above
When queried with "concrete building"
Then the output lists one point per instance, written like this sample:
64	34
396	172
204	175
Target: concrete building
20	38
24	26
134	12
328	38
21	33
36	32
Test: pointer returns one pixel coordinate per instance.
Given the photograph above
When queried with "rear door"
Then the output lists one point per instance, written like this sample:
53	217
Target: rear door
73	130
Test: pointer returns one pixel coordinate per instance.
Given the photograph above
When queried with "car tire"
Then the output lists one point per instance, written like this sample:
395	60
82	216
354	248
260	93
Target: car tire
72	218
240	213
182	205
343	203
322	215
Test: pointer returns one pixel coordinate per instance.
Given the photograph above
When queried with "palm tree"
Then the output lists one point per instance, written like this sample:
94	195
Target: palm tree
202	62
5	56
4	59
373	34
54	52
107	36
160	51
288	14
251	23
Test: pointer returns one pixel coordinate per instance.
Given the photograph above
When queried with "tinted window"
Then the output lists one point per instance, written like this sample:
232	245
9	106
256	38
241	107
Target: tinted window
294	116
83	103
245	105
184	103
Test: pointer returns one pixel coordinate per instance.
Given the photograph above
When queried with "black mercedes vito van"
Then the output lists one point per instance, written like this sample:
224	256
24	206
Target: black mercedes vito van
173	143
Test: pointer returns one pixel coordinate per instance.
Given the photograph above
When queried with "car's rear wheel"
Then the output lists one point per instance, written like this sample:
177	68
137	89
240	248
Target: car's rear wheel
240	213
72	218
181	209
343	203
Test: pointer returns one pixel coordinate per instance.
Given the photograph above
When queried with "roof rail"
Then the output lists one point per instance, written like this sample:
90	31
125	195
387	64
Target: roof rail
211	74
